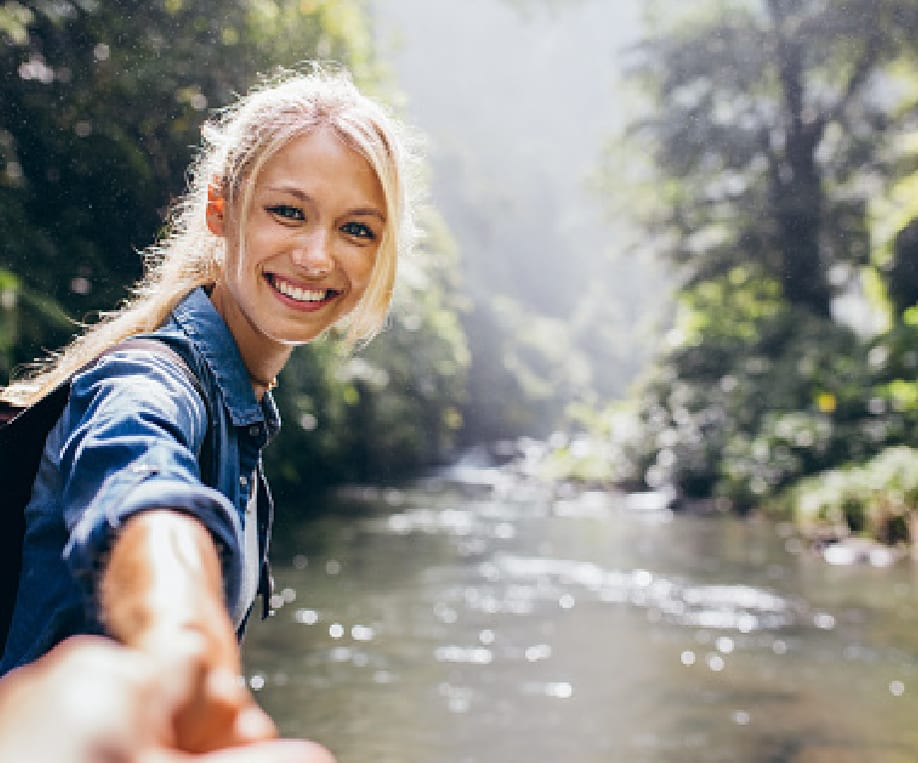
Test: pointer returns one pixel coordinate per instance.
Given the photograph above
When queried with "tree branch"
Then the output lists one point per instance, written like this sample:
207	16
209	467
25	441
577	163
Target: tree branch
858	77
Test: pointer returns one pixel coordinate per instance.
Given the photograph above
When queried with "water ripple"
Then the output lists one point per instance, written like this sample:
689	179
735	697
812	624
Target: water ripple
741	608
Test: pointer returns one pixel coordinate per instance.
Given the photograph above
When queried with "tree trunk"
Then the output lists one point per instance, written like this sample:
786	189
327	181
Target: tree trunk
798	211
797	195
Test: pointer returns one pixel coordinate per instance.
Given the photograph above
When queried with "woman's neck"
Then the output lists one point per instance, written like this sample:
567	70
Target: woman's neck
263	357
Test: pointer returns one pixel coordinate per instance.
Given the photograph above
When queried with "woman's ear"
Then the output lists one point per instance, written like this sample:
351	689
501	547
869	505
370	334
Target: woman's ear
215	211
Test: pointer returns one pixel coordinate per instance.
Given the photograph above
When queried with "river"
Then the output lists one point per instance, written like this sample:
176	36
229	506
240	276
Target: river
480	618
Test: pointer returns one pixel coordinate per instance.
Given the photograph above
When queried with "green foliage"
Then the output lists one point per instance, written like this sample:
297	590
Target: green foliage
729	309
750	406
741	409
878	498
26	317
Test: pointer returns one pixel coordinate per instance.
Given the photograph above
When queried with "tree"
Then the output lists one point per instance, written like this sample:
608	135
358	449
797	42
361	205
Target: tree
768	118
771	121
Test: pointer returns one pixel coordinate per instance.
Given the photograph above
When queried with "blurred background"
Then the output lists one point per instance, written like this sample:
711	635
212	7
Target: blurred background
631	473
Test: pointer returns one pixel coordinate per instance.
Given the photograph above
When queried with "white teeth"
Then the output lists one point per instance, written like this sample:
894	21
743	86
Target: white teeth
300	295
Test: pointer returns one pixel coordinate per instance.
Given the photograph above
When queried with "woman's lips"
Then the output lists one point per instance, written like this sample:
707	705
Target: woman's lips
308	297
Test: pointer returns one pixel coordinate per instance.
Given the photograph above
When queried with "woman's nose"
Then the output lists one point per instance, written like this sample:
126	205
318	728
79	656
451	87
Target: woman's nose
313	255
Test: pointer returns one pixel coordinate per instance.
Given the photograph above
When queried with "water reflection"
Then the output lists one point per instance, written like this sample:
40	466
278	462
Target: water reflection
480	617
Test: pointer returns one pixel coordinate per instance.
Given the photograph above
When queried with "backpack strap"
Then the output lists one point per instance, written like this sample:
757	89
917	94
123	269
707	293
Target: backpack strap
22	441
158	347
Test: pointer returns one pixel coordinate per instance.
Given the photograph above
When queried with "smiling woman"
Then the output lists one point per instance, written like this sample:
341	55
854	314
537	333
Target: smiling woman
150	516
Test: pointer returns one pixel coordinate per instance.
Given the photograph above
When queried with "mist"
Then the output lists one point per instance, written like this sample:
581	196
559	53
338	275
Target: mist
517	103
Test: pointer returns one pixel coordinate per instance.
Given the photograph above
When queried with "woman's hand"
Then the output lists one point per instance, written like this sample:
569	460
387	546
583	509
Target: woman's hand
90	700
162	592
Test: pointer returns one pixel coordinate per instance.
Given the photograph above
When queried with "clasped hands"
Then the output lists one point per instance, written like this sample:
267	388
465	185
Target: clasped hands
91	700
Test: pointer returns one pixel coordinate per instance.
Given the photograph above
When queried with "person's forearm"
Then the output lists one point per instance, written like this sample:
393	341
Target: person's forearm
163	573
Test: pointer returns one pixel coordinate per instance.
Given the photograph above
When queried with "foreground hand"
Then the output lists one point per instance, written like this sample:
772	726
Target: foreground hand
212	708
92	701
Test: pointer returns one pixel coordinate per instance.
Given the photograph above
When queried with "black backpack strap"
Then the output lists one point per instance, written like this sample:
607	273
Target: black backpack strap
22	441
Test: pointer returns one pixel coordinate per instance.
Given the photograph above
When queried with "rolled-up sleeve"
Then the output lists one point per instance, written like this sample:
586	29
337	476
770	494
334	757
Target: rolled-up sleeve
132	430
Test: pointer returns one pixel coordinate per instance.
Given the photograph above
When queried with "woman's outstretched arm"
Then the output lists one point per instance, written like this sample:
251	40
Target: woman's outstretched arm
162	586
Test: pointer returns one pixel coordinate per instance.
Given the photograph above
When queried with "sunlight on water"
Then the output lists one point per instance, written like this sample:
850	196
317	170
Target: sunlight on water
475	622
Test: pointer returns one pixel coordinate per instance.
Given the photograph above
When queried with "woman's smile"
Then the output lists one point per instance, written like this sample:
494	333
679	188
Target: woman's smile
304	297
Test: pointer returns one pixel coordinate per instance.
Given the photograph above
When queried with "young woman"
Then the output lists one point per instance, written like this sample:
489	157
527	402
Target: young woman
150	516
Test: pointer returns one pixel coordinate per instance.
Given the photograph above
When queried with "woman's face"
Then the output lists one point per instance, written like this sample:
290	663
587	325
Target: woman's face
312	231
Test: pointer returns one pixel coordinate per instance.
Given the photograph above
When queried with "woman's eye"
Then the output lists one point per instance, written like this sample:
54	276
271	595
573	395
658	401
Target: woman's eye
287	212
358	229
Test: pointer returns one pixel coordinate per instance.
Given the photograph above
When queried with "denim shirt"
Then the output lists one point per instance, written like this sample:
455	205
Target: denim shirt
130	440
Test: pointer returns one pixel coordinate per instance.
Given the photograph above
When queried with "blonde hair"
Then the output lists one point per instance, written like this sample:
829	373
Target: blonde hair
237	142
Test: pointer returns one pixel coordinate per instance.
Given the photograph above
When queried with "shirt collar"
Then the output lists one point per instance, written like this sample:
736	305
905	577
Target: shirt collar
201	322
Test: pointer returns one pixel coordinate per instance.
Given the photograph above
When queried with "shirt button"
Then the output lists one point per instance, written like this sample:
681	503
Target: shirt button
255	430
243	480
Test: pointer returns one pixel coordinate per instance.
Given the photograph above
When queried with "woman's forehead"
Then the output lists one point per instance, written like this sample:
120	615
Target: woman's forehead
320	160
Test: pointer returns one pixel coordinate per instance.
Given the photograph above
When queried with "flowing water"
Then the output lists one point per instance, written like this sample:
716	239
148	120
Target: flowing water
479	618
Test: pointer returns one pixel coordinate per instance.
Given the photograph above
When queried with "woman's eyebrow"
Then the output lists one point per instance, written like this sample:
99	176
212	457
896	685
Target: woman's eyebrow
368	211
292	190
